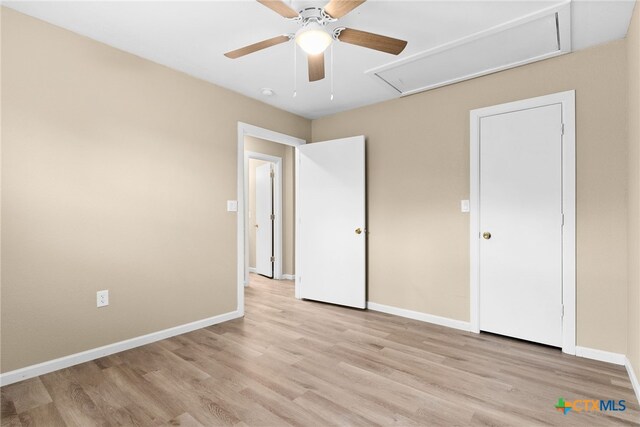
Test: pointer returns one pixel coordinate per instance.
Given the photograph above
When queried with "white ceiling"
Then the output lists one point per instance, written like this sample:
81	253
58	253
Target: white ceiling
192	37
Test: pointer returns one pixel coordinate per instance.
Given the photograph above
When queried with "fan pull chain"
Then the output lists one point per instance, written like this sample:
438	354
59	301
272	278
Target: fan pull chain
295	67
331	71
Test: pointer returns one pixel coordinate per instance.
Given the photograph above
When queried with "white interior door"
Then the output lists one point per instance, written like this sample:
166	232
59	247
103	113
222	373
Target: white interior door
331	248
264	220
521	208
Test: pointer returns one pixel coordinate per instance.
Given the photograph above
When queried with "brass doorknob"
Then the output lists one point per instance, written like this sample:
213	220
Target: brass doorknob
358	230
256	225
486	235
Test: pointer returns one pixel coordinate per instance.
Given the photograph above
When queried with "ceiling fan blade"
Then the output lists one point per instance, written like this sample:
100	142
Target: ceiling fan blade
338	8
256	47
279	7
316	67
372	41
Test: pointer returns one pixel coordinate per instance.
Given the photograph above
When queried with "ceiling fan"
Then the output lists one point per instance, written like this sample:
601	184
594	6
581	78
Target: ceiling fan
314	38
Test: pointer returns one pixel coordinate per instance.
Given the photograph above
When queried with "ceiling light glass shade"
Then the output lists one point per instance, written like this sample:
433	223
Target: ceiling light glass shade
313	39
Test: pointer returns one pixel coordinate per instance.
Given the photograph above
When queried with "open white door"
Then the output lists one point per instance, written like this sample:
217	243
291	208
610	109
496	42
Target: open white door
264	220
331	249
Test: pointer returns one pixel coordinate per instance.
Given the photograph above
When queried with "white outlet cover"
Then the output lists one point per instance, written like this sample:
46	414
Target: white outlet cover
464	206
232	206
102	298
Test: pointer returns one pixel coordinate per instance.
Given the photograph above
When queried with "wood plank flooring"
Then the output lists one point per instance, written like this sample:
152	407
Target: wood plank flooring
301	363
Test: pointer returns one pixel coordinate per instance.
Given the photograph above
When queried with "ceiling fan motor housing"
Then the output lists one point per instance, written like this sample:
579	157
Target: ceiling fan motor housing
314	14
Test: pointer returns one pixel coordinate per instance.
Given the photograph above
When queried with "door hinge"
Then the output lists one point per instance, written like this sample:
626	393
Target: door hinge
562	310
562	219
272	174
562	129
273	217
273	259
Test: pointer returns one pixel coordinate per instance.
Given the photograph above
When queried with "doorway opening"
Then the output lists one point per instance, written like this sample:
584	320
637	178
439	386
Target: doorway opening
264	182
328	220
274	248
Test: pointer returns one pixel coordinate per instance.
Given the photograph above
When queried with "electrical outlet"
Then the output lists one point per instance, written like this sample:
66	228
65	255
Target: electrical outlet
102	298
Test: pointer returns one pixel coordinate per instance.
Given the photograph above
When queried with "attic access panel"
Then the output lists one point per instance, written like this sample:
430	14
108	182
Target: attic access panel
518	43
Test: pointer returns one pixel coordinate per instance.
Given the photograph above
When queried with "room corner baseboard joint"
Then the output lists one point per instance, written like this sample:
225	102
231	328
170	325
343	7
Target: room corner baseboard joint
632	377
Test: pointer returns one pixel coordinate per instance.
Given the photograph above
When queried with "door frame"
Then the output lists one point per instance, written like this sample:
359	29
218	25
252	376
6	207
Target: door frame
245	129
277	210
567	102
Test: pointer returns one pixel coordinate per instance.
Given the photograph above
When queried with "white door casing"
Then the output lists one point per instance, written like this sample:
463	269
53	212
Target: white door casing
264	219
522	189
331	229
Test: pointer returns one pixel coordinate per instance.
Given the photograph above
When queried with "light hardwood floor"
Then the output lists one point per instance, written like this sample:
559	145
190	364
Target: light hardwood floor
312	364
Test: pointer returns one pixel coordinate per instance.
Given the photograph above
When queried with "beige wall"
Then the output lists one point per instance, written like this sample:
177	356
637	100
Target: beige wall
418	171
287	154
115	175
633	57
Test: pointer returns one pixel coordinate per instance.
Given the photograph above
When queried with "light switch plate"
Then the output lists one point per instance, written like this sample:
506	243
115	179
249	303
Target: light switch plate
232	206
464	206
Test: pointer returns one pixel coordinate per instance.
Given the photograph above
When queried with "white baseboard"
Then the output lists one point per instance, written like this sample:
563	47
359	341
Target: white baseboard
601	355
423	317
95	353
253	270
632	377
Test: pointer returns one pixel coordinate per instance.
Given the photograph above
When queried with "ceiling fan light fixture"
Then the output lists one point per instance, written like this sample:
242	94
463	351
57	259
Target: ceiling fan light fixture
313	39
